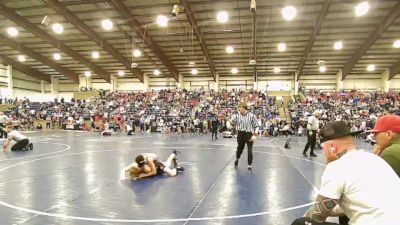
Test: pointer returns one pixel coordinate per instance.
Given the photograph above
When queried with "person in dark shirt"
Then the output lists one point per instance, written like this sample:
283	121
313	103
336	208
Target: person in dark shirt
214	127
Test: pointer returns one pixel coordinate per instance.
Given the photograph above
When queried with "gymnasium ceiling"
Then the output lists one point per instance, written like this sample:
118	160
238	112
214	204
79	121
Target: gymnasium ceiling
309	37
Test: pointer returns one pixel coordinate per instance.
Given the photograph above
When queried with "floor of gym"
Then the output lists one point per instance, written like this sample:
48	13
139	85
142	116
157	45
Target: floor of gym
74	178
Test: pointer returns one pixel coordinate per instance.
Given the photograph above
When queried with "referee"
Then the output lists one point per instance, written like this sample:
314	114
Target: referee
247	127
312	128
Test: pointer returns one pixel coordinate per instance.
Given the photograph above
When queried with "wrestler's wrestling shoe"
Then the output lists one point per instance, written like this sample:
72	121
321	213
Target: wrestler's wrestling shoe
180	169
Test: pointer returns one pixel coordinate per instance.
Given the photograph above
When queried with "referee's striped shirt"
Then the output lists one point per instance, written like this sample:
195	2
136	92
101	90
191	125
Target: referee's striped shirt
246	122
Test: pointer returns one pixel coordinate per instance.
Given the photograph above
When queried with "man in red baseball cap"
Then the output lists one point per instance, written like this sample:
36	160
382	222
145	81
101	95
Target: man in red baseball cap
387	137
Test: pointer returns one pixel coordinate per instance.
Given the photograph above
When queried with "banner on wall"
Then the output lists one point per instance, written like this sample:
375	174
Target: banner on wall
4	92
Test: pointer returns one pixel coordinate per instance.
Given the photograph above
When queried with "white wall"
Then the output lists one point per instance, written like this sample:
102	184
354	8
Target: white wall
25	83
129	84
25	86
158	83
231	82
100	84
3	75
321	82
363	84
197	82
395	83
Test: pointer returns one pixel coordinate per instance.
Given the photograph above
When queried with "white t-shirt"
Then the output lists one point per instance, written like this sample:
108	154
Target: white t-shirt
314	122
3	119
366	186
128	127
15	136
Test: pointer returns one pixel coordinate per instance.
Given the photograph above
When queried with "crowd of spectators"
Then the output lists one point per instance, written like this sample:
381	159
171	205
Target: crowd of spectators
184	111
359	109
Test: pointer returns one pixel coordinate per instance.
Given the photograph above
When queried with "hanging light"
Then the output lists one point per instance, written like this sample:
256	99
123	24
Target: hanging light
222	17
121	73
88	74
281	47
12	31
21	58
194	71
277	69
156	72
58	28
322	67
107	24
56	56
396	44
338	45
95	55
162	21
371	67
229	49
234	70
137	53
289	12
361	9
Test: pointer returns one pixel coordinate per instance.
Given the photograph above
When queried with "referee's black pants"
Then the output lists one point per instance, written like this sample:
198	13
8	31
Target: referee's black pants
311	140
242	139
214	131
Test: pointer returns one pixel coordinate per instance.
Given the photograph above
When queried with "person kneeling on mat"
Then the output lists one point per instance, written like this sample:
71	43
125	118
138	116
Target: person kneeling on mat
148	165
22	142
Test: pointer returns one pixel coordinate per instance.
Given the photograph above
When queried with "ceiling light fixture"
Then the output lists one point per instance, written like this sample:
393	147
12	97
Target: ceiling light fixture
277	69
229	49
222	17
234	70
88	74
156	72
121	73
281	47
12	31
338	45
322	67
162	21
107	24
194	71
371	67
58	28
21	58
396	44
137	53
95	55
361	9
252	62
289	12
56	56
